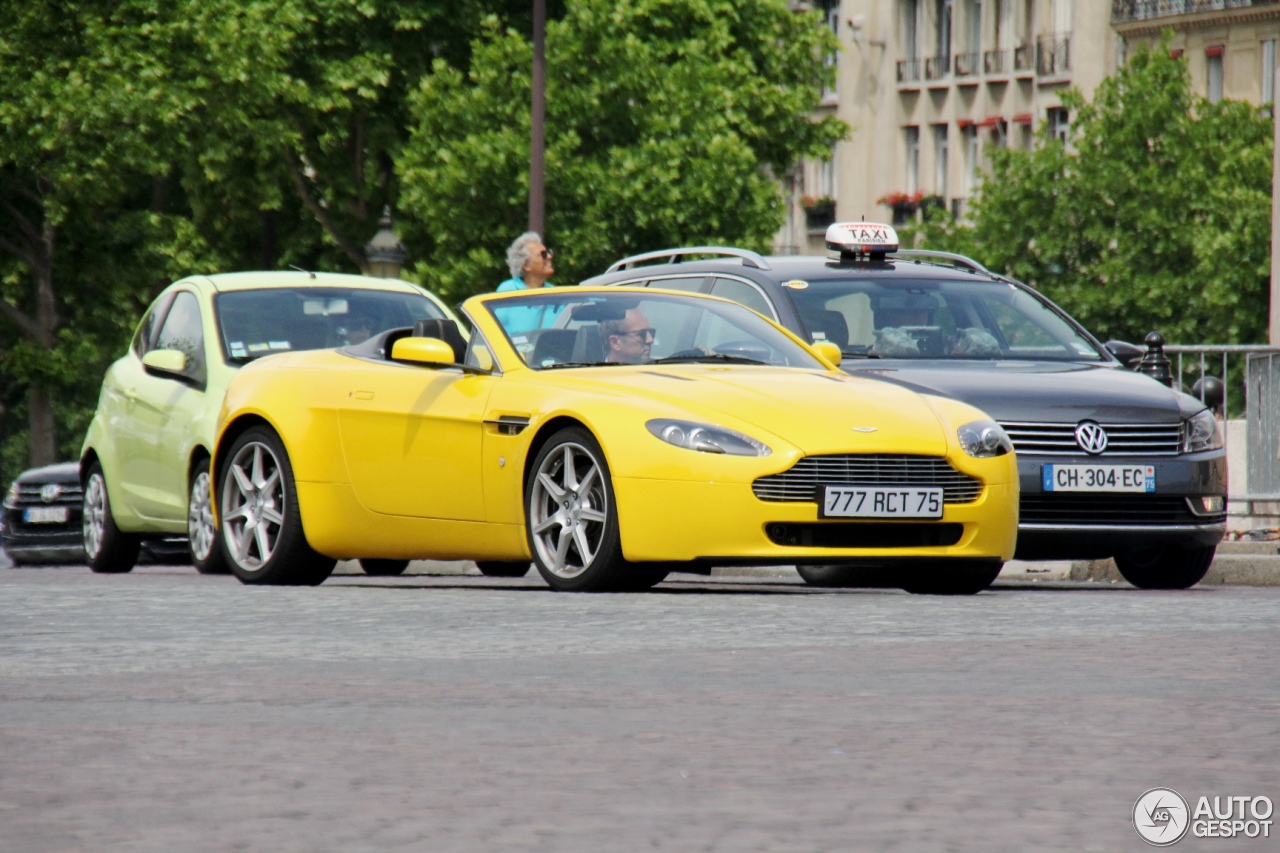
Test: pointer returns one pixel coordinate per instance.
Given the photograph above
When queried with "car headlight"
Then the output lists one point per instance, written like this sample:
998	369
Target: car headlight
1200	432
707	438
11	498
981	439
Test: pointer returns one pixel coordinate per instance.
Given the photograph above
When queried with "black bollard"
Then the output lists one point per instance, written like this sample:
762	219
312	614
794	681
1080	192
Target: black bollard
1155	363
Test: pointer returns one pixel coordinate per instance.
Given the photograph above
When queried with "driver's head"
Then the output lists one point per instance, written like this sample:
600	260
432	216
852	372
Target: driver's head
629	340
359	329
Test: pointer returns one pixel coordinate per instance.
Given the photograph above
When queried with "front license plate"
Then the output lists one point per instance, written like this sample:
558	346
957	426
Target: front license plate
881	502
45	515
1099	478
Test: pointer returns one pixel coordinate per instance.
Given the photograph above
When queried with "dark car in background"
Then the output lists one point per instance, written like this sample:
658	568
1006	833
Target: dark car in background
1111	462
42	523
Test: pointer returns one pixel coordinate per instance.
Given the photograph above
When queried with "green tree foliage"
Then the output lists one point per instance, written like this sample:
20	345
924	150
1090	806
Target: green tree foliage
1156	216
667	124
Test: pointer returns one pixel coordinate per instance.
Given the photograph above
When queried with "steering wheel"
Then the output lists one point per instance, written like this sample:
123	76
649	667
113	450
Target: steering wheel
688	353
746	349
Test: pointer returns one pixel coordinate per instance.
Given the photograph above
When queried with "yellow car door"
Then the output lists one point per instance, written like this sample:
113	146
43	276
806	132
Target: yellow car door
412	439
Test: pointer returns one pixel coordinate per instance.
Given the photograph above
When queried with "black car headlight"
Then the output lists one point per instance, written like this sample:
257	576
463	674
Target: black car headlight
982	439
707	438
1200	432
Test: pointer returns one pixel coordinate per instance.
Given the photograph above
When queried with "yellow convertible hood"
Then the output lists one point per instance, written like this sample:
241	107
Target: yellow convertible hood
817	412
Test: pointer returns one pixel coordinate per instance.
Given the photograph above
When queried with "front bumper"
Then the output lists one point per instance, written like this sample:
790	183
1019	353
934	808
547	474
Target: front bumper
726	524
1094	525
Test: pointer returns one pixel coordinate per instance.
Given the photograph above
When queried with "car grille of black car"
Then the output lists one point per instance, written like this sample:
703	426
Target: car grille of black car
1110	510
1030	439
802	481
29	495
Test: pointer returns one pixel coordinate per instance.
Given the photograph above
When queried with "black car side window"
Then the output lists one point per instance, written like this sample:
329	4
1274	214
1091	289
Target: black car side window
744	294
183	331
689	284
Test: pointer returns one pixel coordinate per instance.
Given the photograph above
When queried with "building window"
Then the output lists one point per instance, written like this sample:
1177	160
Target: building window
942	32
972	159
831	17
1059	124
827	176
912	138
911	29
1213	72
941	154
1269	71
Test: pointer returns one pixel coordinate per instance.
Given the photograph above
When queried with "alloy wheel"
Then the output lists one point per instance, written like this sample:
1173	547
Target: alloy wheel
94	515
200	529
253	502
569	510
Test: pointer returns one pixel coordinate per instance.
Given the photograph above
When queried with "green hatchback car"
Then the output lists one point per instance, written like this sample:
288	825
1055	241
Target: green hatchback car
145	461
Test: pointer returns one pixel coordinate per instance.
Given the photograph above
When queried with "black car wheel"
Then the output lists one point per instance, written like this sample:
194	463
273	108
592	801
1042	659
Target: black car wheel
383	568
1170	567
108	549
262	537
951	577
202	533
494	569
571	519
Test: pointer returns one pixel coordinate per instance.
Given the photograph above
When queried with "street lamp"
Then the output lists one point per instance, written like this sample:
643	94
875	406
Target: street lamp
385	253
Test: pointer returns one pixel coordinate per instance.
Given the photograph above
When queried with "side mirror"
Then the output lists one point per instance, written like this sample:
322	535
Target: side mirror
829	351
429	351
164	362
1126	353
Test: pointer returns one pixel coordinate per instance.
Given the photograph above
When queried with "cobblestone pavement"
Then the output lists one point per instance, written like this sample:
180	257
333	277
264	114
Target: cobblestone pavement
166	711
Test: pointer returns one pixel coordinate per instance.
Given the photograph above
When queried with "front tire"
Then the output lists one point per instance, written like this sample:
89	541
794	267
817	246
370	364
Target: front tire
945	577
877	577
383	568
262	537
571	517
108	549
494	569
1170	567
202	533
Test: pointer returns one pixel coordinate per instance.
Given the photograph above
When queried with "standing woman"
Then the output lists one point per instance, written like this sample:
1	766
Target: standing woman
531	265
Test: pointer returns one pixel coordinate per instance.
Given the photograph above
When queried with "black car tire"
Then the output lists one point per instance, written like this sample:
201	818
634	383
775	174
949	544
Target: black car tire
1170	567
214	561
496	569
951	577
878	577
593	510
108	549
383	568
289	559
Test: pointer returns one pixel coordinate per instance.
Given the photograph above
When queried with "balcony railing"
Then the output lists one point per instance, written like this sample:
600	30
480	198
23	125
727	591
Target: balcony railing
995	61
1053	55
908	70
967	64
1142	10
937	67
1023	57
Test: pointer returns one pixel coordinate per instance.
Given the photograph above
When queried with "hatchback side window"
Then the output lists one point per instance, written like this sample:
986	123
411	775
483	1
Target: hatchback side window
743	294
183	331
689	284
147	329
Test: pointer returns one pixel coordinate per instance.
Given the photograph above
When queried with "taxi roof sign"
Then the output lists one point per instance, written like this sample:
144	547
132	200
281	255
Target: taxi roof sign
872	239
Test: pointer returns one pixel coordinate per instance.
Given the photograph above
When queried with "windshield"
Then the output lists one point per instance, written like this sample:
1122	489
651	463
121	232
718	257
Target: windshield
569	328
938	319
255	323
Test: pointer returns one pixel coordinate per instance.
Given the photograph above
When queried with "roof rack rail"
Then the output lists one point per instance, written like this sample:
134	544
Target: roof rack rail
956	260
675	256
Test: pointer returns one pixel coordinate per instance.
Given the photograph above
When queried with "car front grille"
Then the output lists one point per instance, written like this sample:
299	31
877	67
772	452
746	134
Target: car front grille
802	481
1033	439
69	494
864	535
1112	510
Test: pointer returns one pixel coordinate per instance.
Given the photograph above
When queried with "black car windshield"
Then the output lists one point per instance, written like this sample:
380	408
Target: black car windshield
971	320
570	328
255	323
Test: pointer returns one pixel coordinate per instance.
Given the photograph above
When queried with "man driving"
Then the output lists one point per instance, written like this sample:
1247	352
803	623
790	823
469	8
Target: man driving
629	340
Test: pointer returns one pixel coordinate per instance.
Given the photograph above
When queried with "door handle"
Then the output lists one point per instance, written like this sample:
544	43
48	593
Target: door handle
131	394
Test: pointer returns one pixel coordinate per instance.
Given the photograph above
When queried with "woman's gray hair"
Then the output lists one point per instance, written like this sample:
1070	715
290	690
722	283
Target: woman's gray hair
518	253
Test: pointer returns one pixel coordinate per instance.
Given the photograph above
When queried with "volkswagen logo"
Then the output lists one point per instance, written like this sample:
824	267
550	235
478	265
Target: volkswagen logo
1091	437
49	492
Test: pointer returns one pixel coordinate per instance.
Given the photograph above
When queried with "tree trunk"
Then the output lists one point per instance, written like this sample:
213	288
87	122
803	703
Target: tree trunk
43	441
43	432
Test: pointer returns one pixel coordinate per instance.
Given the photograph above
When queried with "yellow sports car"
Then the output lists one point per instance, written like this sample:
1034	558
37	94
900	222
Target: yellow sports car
611	438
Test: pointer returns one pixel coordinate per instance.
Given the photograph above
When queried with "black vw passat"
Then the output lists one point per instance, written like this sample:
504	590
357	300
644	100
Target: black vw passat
1112	463
41	520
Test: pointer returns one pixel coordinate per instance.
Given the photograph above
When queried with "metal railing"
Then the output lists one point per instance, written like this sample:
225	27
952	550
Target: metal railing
966	64
1053	55
1251	385
1143	10
1023	57
937	67
995	61
908	70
